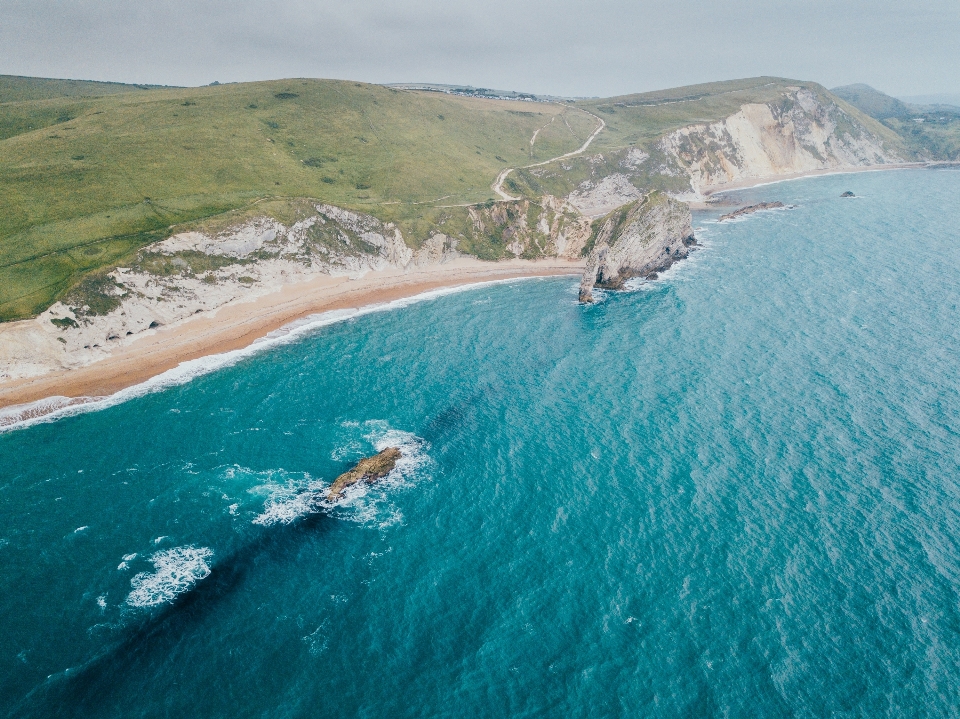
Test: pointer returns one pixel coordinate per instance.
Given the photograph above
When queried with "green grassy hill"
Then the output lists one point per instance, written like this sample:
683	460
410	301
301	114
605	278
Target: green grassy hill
873	102
91	172
15	88
86	181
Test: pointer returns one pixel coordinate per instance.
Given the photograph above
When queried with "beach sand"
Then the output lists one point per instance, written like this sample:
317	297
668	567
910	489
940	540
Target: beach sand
237	325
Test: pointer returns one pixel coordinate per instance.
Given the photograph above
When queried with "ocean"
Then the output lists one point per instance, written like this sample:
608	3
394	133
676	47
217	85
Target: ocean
732	491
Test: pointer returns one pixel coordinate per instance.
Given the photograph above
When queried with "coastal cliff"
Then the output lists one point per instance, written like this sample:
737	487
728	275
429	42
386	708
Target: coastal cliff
641	238
802	132
194	274
796	129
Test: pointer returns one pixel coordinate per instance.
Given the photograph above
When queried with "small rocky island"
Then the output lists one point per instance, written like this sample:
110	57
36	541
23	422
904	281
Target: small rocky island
751	209
848	194
368	469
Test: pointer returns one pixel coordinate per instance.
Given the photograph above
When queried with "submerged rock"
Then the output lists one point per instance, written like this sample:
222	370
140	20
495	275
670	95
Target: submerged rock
368	469
751	209
639	239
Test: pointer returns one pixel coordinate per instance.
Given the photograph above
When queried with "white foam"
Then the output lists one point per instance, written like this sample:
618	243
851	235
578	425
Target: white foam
284	510
19	414
54	408
292	499
177	570
317	641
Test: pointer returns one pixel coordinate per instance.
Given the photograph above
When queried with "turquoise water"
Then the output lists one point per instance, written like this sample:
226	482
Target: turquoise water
731	492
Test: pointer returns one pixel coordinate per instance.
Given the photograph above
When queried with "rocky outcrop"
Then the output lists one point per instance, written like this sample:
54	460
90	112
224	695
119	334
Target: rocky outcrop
641	238
596	199
749	210
368	469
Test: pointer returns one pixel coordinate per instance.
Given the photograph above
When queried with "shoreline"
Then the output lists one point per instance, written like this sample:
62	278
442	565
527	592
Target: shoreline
240	325
237	326
761	181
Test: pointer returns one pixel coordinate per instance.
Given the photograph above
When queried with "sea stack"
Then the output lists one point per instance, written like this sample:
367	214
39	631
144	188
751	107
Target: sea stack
639	239
368	469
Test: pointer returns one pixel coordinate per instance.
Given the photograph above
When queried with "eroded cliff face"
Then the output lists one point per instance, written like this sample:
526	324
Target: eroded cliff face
196	272
798	134
550	227
639	239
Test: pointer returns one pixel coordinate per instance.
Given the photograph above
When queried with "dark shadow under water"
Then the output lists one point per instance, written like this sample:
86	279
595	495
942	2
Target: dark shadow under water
83	691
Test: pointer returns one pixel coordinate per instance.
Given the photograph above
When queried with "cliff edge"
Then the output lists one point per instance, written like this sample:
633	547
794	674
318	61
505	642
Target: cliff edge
639	239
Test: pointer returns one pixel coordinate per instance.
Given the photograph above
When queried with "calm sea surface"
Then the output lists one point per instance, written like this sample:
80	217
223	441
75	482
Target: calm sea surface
731	492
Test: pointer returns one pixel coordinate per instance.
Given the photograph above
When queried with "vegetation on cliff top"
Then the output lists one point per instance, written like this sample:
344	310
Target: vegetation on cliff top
84	182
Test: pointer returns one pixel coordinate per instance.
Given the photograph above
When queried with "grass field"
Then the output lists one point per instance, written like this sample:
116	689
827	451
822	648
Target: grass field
84	181
90	172
638	119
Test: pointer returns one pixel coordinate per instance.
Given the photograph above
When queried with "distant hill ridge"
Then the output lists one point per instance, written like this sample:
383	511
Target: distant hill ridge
930	132
15	88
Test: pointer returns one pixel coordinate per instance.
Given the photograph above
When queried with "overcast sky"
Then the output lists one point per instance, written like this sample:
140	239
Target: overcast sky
564	47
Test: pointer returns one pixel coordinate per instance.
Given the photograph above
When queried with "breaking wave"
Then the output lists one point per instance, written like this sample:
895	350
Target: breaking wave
177	570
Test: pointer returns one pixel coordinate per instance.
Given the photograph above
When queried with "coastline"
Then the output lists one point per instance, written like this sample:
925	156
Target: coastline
772	180
239	325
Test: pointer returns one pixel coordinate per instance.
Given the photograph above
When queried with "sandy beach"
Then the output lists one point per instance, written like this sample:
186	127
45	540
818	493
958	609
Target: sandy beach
237	325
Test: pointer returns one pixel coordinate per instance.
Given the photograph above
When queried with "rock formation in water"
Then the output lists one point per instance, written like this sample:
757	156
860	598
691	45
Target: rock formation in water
640	239
368	469
750	210
848	194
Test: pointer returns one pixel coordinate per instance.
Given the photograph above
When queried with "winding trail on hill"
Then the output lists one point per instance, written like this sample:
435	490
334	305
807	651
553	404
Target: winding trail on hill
497	185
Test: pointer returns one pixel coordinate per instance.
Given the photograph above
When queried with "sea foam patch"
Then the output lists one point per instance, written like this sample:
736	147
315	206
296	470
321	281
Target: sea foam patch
176	571
20	414
286	505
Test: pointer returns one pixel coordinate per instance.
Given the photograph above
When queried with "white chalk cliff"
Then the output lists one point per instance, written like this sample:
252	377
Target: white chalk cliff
761	141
